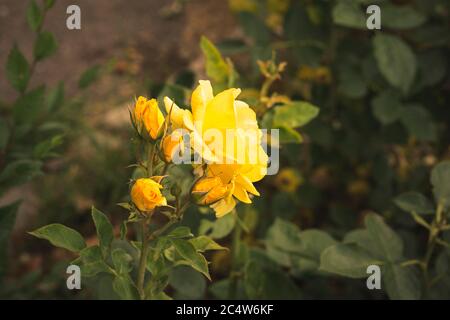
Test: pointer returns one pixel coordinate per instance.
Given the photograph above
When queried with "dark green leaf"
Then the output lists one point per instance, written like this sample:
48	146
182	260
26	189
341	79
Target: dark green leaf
419	123
396	60
414	202
34	15
45	45
386	107
384	238
7	219
105	232
17	69
89	76
194	259
401	283
440	180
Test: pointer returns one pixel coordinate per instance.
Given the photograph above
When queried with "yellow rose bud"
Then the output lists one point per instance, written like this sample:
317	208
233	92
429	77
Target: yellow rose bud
172	144
146	195
147	113
209	190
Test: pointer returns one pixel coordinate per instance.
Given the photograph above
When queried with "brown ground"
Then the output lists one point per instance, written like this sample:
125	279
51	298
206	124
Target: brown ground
109	26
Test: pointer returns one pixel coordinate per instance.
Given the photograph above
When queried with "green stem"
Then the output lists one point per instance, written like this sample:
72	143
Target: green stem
150	158
234	273
143	260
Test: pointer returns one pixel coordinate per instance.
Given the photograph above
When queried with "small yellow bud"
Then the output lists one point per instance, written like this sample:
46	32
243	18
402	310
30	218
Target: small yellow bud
172	145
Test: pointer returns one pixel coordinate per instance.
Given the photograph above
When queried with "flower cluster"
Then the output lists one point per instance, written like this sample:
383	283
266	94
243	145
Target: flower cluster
220	132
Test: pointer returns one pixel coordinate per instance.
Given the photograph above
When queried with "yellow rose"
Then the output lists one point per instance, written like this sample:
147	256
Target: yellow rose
237	166
146	194
147	113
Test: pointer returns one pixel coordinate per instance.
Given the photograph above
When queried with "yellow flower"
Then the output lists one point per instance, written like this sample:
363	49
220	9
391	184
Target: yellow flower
147	113
288	180
172	145
146	194
235	123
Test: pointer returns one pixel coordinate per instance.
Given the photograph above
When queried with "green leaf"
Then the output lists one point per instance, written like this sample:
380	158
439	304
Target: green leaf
401	17
55	97
294	114
419	123
124	287
387	107
89	76
34	15
218	228
414	202
440	180
348	260
45	148
313	242
401	283
387	242
396	60
45	45
180	232
61	236
187	282
92	262
363	239
349	14
17	69
19	172
262	282
351	81
4	133
194	259
204	243
7	219
122	261
284	235
49	3
216	67
289	135
105	232
28	108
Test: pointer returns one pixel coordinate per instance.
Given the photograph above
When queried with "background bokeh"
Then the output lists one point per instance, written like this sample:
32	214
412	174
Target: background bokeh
383	125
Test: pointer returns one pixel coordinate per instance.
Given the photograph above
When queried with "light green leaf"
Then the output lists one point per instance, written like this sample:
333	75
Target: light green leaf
194	259
204	243
396	60
401	283
414	202
216	67
105	232
294	114
348	260
45	45
61	236
17	69
363	239
440	180
289	135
